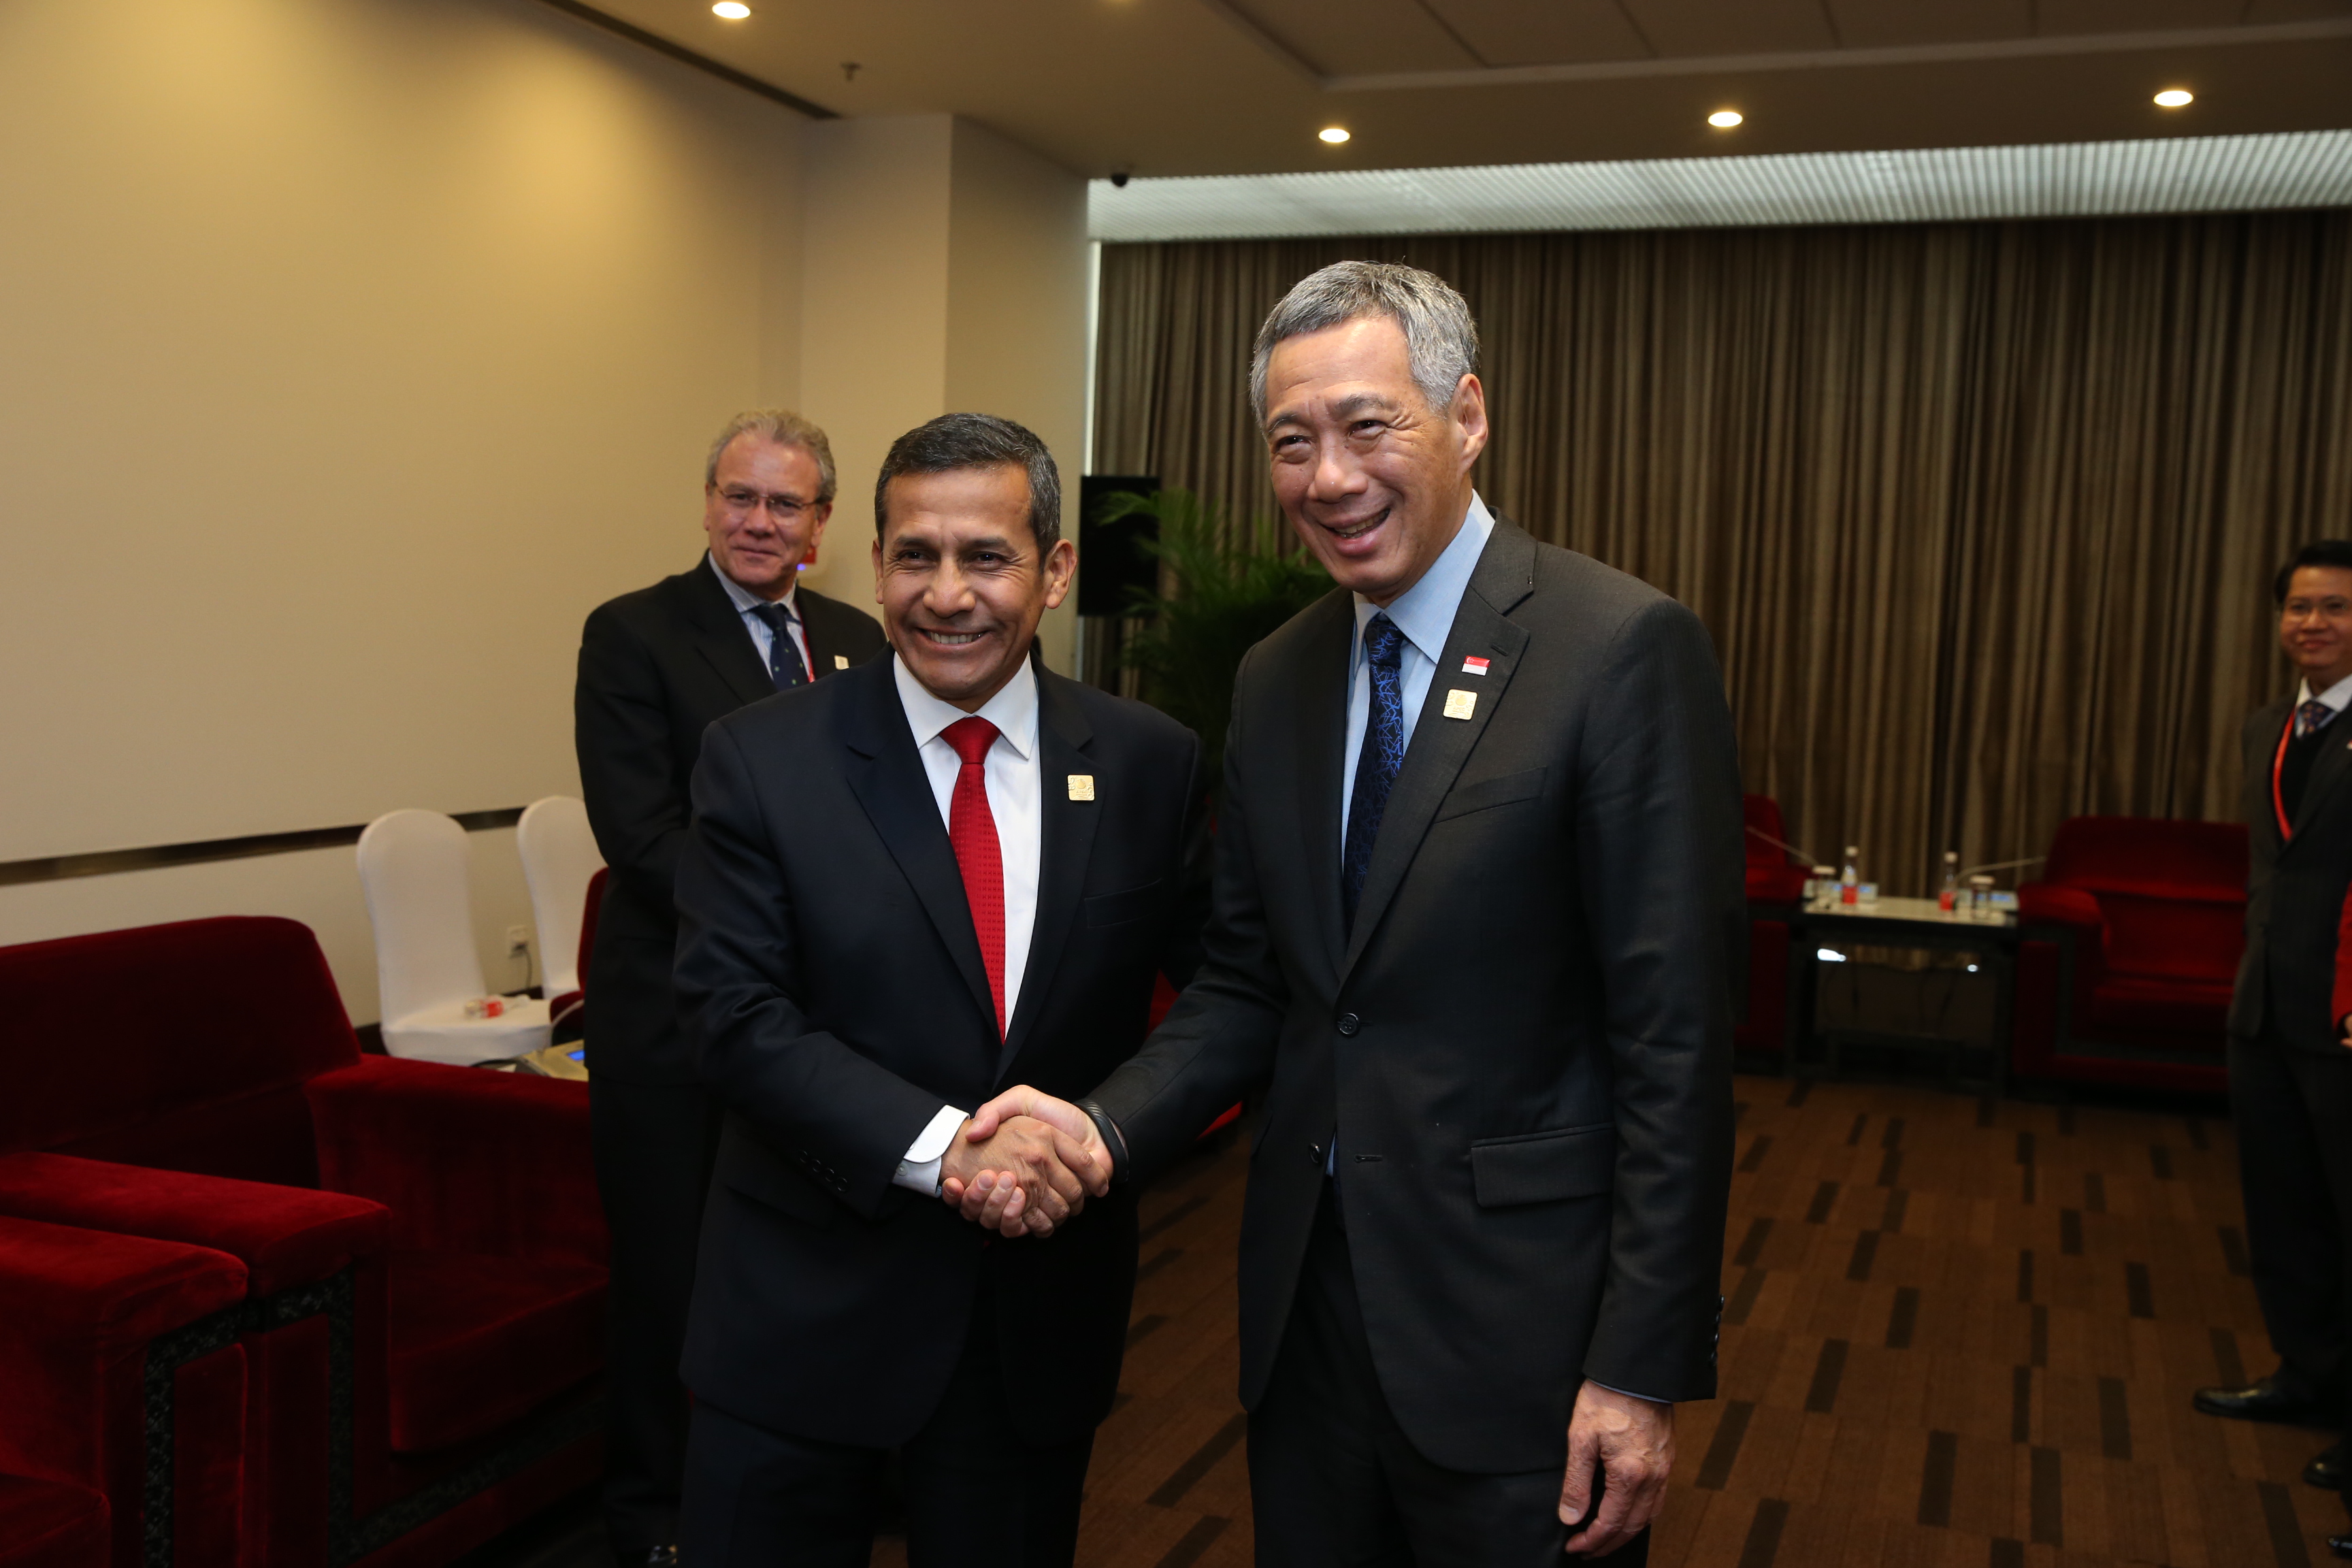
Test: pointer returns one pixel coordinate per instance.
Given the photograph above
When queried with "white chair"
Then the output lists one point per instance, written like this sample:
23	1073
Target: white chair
559	860
412	875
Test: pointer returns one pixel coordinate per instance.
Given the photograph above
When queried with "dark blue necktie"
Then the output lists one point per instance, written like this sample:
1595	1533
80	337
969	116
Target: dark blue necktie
784	664
1378	761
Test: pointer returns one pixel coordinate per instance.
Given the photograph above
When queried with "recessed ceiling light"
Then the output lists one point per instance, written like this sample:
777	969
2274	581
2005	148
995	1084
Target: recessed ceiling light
2175	98
1334	134
733	10
1723	118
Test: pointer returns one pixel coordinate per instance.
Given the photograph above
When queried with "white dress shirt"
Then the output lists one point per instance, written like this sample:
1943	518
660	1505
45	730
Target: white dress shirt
1425	613
748	605
2335	696
1011	772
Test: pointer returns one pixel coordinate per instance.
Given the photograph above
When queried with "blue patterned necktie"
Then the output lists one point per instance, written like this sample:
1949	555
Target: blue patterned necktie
784	666
1377	764
2311	716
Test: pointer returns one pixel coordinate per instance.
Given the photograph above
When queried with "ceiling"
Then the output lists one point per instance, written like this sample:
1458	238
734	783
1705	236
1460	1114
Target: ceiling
2178	174
1240	87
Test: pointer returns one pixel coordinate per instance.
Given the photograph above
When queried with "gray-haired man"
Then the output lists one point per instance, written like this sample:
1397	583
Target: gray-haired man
1477	920
657	667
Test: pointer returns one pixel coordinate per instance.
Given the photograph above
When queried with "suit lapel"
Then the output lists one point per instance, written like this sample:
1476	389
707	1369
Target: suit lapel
888	776
1440	745
816	625
1067	833
722	639
1320	737
2327	770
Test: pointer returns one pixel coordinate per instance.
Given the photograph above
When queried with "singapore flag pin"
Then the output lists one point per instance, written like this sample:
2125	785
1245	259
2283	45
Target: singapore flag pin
1474	665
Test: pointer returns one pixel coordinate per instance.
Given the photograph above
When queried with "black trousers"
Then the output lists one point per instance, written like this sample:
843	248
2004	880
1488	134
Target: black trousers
654	1145
2293	1112
1335	1481
976	1494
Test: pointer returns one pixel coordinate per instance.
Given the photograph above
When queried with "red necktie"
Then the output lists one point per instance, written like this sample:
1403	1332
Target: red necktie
971	832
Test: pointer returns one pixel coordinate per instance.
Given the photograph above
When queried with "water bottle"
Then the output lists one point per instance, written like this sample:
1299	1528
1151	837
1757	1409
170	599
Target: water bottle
1825	887
1949	899
1850	879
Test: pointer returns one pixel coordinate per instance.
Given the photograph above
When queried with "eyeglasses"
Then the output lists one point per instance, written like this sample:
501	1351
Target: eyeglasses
741	503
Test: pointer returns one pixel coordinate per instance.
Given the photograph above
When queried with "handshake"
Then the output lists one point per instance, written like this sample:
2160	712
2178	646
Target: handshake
1023	1163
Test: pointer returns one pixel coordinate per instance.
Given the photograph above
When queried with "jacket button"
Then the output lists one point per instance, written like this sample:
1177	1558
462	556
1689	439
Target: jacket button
1349	1024
1315	1154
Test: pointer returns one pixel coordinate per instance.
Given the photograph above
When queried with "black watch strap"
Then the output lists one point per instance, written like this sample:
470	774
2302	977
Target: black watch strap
1113	1140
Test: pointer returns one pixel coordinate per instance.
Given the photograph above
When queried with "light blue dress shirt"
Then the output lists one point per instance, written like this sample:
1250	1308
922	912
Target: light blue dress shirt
747	609
1425	613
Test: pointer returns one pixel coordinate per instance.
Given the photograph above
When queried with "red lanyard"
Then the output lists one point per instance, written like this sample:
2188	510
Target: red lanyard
2278	766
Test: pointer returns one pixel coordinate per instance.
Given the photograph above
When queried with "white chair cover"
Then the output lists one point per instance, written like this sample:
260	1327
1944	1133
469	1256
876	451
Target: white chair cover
412	875
559	859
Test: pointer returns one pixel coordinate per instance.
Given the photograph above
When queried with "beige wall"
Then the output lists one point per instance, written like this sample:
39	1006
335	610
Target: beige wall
972	296
355	349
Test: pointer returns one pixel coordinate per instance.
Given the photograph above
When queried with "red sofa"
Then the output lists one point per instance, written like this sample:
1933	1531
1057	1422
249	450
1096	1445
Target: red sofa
2131	944
1774	877
122	1401
422	1308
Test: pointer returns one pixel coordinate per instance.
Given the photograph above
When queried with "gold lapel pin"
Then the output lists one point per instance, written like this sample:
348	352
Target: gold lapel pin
841	661
1082	786
1461	704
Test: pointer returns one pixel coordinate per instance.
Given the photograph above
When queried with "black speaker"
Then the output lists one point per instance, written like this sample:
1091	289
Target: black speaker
1115	559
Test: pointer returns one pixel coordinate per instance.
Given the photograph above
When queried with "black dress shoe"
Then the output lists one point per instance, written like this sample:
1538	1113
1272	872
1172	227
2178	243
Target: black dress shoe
2340	1545
2326	1470
2270	1400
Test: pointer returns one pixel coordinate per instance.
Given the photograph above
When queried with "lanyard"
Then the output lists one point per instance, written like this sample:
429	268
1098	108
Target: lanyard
2278	767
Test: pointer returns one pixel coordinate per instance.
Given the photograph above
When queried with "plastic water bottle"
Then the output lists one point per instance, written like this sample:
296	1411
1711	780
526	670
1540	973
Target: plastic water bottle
1850	879
1825	887
1949	899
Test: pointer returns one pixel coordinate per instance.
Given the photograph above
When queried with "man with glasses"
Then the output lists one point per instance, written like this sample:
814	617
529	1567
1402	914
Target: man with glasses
657	667
2290	1018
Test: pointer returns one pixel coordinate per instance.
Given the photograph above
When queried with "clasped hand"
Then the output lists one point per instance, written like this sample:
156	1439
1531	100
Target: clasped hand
1023	1163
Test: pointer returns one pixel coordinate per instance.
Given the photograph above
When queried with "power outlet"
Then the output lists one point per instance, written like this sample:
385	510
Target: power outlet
518	940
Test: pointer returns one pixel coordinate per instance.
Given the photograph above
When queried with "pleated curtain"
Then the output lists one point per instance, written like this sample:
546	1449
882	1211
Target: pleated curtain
1982	517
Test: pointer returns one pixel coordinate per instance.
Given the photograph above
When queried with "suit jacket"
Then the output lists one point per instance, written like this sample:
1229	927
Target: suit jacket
827	963
1524	1044
2295	890
657	666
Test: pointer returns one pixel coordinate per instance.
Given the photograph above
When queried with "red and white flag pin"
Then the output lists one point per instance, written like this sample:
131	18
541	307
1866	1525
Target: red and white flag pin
1474	665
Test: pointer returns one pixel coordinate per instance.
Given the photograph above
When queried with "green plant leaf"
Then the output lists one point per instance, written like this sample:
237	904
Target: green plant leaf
1226	589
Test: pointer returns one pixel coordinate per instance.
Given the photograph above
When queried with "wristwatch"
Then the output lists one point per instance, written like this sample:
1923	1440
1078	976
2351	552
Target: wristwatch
1113	1140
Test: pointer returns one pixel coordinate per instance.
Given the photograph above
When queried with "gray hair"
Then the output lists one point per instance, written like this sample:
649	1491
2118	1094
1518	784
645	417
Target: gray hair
785	428
954	441
1440	338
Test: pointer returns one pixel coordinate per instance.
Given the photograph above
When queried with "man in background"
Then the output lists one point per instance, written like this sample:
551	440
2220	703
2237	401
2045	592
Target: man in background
657	667
2290	1053
944	873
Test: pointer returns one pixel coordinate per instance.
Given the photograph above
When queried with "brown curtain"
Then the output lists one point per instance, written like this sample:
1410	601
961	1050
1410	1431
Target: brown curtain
1982	517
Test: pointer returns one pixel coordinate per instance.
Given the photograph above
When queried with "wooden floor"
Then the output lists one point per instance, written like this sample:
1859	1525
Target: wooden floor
1960	1333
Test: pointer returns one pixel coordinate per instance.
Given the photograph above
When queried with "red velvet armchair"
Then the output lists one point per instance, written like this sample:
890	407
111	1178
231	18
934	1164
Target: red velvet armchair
2131	945
122	1401
1773	879
423	1252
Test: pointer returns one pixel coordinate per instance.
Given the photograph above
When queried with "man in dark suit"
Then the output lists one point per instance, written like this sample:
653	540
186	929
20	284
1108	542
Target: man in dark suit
657	666
2290	1052
904	889
1477	918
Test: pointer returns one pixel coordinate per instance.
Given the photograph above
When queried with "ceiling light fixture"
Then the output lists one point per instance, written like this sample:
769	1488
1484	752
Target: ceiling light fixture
733	10
2175	98
1334	134
1724	119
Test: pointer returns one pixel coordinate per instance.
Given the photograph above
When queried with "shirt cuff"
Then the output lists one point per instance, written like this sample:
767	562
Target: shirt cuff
918	1169
1628	1393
